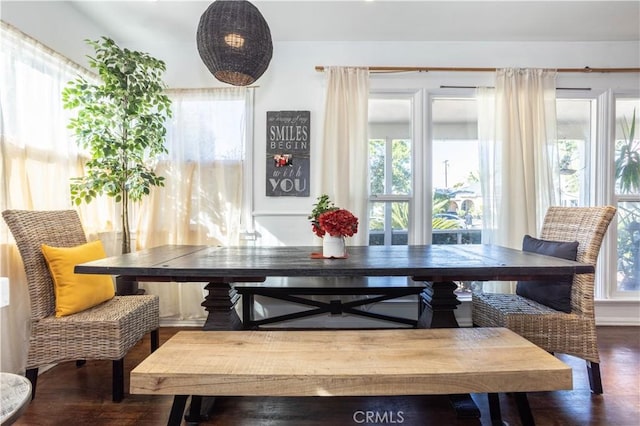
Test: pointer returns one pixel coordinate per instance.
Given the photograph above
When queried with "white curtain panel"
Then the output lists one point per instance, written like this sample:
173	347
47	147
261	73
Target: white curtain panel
519	163
201	201
38	156
344	174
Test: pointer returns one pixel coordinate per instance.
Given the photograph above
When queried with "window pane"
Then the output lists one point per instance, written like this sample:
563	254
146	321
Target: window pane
627	153
209	129
388	223
377	165
390	166
401	166
628	276
574	137
457	196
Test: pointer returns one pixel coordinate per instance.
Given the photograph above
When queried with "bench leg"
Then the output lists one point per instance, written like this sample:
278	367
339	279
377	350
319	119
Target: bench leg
494	409
524	410
177	409
155	339
193	416
200	409
464	406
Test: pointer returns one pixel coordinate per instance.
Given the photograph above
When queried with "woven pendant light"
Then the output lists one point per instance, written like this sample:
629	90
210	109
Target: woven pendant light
234	41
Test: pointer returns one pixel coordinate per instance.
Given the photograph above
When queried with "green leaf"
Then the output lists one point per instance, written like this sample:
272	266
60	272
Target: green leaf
117	121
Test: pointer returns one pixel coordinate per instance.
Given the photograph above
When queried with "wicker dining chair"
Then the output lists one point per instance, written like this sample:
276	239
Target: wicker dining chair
571	333
105	332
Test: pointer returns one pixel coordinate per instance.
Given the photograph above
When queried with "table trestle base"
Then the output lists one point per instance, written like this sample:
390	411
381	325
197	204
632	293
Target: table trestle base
333	307
220	304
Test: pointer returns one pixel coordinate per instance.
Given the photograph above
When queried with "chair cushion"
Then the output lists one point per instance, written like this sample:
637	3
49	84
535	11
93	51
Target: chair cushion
77	292
554	294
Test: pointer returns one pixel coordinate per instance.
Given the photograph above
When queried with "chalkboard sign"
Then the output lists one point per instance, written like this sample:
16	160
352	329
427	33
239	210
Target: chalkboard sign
288	145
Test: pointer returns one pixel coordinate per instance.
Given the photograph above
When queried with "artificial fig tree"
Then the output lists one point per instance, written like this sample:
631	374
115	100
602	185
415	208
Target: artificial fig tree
121	123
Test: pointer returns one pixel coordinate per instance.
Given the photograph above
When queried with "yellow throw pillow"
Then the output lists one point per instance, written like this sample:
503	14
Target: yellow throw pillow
77	292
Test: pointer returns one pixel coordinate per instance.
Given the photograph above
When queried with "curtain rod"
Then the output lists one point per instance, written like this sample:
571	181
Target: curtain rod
378	69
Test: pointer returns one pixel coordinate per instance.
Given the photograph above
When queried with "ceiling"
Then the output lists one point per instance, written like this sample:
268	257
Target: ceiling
173	22
169	21
388	20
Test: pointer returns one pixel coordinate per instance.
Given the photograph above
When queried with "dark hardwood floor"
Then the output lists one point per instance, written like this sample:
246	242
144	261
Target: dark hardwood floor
68	395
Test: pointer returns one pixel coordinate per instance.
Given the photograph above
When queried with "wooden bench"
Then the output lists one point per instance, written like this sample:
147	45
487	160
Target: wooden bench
350	363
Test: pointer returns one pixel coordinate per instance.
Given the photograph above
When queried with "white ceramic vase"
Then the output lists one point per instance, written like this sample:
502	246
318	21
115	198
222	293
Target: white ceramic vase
333	246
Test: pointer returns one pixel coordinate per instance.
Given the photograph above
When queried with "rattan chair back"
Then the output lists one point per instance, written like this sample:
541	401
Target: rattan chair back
31	229
587	226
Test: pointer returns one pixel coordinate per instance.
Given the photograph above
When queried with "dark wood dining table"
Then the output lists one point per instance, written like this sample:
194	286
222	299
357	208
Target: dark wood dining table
437	266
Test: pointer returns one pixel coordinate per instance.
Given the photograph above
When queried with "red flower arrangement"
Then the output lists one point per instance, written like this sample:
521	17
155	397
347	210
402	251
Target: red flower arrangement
339	223
326	218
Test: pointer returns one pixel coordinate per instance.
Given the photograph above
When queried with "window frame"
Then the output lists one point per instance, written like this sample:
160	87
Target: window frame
468	93
609	256
587	198
416	124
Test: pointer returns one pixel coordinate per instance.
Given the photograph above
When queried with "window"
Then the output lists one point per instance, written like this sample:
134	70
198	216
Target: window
575	127
627	193
206	168
38	154
390	169
455	165
404	165
402	168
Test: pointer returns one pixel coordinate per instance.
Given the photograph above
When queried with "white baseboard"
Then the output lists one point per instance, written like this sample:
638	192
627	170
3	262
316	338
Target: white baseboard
618	312
608	313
